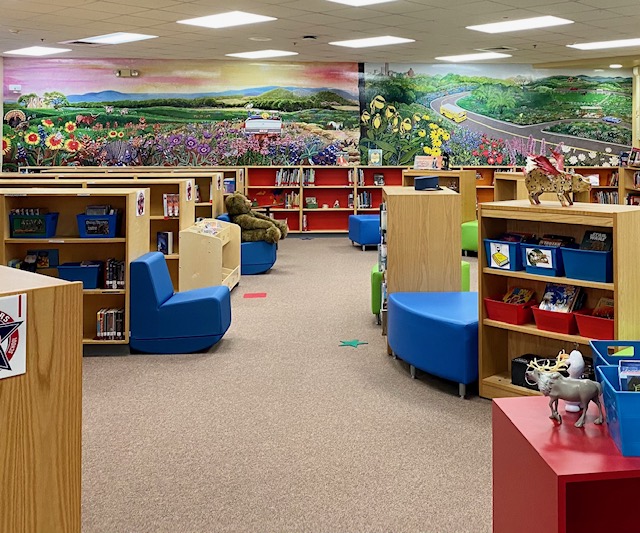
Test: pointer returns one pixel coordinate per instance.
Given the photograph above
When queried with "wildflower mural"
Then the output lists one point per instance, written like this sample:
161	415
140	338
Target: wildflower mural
75	112
494	114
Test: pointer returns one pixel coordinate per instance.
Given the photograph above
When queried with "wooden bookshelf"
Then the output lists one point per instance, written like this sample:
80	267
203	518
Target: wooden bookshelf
630	186
41	422
423	240
485	181
500	342
461	181
131	242
609	179
210	259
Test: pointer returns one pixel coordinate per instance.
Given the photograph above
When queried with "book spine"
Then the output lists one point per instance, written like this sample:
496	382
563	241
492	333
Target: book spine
165	204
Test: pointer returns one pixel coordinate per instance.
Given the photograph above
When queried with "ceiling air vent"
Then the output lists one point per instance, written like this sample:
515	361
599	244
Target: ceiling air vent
497	49
81	43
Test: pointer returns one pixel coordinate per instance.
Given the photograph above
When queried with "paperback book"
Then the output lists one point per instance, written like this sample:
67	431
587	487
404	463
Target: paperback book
165	242
601	241
518	296
604	308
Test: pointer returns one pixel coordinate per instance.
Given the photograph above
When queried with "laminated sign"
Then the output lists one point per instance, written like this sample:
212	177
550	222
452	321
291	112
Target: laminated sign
13	335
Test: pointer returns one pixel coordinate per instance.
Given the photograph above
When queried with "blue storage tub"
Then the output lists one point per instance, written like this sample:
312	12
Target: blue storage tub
88	273
589	265
513	259
33	226
623	411
557	266
98	226
600	352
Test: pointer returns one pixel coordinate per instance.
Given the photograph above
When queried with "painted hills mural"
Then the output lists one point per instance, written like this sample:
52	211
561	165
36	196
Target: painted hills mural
494	114
77	112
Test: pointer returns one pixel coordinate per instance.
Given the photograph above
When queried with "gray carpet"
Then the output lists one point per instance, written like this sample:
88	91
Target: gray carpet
278	429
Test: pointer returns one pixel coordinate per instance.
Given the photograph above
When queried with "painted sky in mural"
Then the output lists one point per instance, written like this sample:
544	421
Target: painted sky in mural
78	112
495	114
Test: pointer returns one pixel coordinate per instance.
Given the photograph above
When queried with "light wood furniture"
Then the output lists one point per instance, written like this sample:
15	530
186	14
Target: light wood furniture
485	179
132	242
423	240
462	181
604	192
510	186
501	342
210	259
41	422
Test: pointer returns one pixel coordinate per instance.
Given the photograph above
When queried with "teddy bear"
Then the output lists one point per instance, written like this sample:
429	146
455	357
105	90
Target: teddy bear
254	226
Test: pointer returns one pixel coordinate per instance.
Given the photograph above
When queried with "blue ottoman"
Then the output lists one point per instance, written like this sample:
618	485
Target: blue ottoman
436	332
364	230
256	257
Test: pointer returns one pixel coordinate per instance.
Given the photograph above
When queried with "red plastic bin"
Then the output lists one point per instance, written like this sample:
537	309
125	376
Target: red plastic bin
554	321
509	313
594	327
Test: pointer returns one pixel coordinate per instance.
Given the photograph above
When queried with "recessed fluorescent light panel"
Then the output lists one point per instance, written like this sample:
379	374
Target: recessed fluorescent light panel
360	3
621	43
473	57
117	38
38	51
615	65
263	54
520	25
226	20
373	41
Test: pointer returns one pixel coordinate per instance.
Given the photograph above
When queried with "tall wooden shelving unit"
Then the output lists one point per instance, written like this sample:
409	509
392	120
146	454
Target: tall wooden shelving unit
501	342
41	422
606	176
131	243
461	181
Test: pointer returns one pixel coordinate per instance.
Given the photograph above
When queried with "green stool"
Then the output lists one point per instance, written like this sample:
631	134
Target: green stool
376	291
376	286
470	236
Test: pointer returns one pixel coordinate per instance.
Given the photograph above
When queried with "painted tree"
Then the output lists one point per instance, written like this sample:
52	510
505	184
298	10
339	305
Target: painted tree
55	99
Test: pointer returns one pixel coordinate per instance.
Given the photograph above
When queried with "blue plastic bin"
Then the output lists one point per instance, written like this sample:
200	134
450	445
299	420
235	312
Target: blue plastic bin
556	260
514	254
623	411
98	226
590	265
600	352
33	226
88	274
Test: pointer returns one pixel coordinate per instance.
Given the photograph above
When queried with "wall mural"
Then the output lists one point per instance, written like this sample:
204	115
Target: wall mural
494	114
78	112
157	112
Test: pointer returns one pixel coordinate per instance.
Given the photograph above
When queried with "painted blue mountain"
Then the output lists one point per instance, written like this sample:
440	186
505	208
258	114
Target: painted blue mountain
116	96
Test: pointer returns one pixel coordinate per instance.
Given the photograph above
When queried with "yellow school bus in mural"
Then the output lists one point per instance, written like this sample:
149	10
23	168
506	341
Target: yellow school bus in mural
453	112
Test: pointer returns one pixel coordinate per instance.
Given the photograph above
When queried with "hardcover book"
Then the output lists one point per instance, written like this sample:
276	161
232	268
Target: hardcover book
597	240
375	157
604	308
165	242
560	298
517	295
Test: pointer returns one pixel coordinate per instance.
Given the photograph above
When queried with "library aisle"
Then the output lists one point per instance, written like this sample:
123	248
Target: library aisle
280	429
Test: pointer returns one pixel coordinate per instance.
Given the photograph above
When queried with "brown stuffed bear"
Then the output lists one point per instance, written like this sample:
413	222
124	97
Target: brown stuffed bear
255	226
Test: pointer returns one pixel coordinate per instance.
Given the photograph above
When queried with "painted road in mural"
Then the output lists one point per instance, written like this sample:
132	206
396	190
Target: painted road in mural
506	130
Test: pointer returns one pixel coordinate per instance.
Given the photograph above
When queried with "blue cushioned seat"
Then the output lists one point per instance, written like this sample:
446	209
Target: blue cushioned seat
255	257
436	332
166	322
364	229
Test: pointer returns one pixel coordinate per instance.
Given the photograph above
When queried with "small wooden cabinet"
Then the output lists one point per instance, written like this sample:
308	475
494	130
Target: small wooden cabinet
210	255
501	342
423	240
41	420
460	181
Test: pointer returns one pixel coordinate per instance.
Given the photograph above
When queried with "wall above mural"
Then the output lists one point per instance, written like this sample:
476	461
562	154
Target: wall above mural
494	114
78	112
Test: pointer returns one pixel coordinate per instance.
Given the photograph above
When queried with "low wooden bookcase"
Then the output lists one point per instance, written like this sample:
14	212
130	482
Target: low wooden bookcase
501	342
131	242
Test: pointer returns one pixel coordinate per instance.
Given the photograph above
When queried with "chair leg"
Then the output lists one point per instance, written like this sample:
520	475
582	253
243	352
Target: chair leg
412	369
378	321
363	246
462	390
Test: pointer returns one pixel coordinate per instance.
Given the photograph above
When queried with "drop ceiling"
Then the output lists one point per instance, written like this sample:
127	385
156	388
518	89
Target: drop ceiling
438	28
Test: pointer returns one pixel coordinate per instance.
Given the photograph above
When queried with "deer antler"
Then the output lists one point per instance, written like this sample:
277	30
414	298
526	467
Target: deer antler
548	367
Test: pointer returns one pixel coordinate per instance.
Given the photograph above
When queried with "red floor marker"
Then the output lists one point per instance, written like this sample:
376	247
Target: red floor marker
255	295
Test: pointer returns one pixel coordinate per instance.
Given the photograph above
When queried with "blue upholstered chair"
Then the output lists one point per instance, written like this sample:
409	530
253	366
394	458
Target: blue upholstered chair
255	257
165	322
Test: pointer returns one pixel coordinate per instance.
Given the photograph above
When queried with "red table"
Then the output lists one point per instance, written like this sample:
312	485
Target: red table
559	479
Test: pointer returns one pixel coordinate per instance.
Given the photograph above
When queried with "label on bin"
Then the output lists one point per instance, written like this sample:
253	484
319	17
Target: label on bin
538	257
500	255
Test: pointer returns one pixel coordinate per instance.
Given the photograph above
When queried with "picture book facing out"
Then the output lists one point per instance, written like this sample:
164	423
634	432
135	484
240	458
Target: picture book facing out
604	308
518	295
561	298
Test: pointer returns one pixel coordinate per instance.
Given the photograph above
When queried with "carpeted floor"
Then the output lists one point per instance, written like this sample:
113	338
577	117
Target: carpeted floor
278	429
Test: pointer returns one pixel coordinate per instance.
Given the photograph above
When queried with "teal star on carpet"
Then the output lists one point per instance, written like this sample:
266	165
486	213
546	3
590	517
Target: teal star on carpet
354	343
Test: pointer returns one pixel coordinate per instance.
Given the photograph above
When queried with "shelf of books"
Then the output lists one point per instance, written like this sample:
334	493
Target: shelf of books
630	185
328	198
88	235
552	278
460	181
605	184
